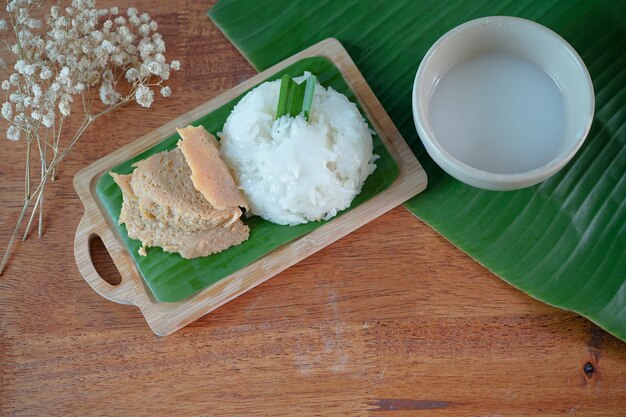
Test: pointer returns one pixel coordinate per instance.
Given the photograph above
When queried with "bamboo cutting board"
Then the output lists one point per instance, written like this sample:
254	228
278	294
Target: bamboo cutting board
171	278
166	317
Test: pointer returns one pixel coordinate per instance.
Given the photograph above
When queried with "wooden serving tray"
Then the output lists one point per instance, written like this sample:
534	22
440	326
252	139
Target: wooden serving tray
166	318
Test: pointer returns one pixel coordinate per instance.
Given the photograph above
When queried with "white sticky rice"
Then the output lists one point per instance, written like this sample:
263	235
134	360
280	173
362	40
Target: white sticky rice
292	171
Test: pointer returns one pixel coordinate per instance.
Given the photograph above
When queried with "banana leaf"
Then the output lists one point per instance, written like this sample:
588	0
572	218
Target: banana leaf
562	241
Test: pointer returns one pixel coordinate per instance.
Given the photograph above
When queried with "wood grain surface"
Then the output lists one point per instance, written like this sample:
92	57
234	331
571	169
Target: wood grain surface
390	320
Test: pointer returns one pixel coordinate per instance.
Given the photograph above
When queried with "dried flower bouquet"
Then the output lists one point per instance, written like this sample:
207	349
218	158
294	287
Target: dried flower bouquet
97	58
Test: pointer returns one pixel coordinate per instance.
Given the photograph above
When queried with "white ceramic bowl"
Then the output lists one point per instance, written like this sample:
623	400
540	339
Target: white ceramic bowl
514	37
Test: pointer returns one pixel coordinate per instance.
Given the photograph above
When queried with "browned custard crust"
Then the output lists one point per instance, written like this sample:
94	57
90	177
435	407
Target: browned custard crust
184	200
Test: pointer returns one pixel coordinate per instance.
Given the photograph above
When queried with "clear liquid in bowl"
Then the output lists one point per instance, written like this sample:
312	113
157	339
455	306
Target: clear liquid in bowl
499	113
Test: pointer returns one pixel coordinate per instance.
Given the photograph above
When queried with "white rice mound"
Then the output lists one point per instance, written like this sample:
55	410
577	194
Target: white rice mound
291	171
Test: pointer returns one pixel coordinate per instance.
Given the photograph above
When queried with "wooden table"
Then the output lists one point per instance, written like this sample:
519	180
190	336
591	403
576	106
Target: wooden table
391	318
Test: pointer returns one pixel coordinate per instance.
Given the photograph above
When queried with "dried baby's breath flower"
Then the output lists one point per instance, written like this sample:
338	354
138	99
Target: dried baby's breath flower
144	96
13	133
7	111
166	91
73	59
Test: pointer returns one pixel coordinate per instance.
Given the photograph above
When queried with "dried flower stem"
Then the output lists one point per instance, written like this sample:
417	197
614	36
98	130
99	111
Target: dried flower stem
27	172
5	258
44	162
55	148
45	173
32	216
39	190
38	202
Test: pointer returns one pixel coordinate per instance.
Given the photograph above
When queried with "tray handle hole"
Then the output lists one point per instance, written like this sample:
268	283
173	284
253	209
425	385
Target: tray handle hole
102	261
